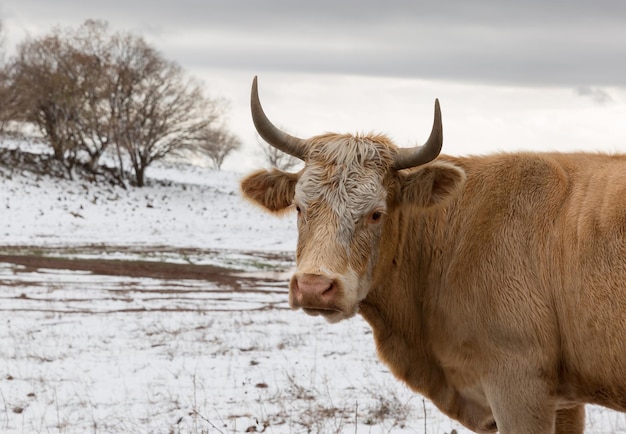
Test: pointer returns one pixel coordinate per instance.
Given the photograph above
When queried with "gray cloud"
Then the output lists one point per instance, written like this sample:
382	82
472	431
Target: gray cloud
598	95
572	43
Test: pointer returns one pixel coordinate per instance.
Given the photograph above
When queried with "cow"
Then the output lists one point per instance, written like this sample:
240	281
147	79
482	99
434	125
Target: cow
494	285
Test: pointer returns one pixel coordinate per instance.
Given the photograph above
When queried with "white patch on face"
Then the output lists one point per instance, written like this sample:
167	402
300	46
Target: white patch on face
349	195
355	288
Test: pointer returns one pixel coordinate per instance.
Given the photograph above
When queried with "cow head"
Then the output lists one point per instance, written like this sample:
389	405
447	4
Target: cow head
348	198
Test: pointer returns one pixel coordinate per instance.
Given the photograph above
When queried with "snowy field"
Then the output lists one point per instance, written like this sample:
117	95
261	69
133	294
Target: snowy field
117	340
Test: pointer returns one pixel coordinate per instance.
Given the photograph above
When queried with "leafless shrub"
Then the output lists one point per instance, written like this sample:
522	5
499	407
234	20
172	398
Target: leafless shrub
217	143
276	158
89	88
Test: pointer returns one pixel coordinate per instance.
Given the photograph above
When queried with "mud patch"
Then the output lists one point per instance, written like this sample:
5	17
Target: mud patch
30	282
151	269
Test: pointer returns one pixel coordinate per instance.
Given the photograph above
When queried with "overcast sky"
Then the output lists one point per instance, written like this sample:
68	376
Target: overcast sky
510	75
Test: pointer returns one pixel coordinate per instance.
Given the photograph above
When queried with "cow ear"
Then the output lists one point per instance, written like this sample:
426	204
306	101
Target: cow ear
271	189
433	184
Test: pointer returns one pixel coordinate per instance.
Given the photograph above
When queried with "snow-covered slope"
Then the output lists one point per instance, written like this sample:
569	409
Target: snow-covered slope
183	206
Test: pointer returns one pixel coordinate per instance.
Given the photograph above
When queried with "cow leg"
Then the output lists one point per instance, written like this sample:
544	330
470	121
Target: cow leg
570	420
521	404
521	416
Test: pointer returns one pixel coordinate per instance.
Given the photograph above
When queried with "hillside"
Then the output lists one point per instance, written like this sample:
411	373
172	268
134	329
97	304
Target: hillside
182	206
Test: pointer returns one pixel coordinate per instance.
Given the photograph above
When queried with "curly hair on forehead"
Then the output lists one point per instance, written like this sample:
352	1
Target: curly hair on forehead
350	150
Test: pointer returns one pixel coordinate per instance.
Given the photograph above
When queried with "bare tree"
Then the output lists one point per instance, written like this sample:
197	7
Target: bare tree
6	97
158	110
217	143
9	110
275	158
2	42
5	117
88	88
46	94
58	84
62	84
89	65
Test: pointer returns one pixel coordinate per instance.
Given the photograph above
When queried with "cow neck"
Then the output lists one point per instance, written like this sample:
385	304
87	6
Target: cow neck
395	307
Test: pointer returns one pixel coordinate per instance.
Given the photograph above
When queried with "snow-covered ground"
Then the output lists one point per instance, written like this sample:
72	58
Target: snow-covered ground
84	352
201	208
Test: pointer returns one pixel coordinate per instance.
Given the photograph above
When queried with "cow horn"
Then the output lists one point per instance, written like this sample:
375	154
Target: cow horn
272	135
412	157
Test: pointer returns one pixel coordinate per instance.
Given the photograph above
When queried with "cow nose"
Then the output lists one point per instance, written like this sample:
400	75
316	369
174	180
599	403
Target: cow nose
313	290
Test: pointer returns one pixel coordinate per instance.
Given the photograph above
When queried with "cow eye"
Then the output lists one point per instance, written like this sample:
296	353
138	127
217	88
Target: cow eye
376	216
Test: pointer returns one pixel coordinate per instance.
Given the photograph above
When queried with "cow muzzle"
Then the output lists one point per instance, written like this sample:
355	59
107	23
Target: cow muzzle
315	294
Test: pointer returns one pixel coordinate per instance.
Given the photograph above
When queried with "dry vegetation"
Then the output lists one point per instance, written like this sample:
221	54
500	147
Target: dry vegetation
89	91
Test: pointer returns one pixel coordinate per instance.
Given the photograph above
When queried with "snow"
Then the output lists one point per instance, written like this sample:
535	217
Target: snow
204	209
83	352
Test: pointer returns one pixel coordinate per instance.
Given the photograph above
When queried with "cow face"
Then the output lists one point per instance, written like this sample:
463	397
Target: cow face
347	199
341	202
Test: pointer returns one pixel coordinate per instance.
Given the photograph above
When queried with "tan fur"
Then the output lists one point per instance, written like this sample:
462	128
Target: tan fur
270	189
494	285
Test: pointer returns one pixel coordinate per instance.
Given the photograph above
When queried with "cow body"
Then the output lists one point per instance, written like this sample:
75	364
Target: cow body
494	285
519	282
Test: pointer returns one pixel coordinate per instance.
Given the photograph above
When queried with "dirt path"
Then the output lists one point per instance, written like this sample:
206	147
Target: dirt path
28	259
34	281
130	268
